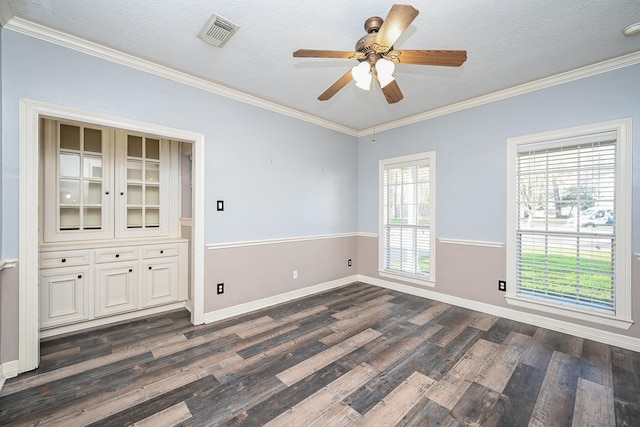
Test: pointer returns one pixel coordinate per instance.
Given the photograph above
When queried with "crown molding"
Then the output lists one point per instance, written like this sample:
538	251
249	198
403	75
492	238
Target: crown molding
60	38
566	77
76	43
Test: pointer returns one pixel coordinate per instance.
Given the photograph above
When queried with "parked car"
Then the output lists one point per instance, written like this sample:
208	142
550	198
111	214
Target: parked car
593	217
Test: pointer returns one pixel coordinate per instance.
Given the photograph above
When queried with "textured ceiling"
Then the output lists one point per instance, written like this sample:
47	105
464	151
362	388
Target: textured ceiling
509	43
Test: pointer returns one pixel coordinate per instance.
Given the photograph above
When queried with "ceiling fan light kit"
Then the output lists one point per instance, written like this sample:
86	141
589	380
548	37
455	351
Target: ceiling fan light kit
384	71
361	73
377	56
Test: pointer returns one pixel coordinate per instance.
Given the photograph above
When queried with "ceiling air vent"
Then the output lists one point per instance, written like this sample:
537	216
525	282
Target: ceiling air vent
218	30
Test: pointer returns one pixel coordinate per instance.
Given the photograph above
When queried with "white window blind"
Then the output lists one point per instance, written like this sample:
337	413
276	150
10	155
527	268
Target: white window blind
407	218
566	239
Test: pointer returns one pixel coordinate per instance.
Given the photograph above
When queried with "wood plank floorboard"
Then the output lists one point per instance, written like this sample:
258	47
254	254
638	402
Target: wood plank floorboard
356	355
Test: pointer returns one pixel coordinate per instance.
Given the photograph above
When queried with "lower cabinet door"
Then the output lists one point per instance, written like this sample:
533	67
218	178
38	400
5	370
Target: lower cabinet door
160	281
116	288
64	297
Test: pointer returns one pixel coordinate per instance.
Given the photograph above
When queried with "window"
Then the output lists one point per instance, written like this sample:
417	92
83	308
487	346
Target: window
407	218
569	222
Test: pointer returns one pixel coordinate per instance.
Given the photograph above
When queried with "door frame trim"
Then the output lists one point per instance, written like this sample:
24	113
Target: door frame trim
28	262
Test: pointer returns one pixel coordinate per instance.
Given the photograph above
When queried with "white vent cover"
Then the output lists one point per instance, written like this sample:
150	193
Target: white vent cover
218	30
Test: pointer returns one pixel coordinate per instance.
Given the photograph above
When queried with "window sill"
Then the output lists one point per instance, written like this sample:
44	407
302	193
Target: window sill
407	278
570	311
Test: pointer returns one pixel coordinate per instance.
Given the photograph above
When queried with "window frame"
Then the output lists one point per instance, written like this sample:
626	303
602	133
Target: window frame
429	158
621	318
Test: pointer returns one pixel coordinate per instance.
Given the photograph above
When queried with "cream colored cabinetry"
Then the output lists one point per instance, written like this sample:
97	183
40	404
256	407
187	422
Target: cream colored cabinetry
161	267
116	287
110	236
79	285
103	183
64	296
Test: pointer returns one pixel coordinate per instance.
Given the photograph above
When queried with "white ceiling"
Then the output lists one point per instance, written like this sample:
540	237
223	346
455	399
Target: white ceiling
509	43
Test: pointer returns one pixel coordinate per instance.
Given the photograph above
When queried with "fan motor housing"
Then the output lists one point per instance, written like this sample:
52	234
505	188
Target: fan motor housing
365	44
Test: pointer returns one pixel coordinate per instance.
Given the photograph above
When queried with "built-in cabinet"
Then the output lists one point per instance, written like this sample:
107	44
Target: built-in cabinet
110	238
78	285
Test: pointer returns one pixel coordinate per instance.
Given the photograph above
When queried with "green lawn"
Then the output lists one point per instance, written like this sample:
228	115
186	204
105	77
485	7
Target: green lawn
557	274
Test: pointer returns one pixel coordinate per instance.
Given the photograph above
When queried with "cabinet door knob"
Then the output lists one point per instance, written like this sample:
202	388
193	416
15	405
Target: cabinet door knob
117	255
63	260
161	252
149	267
130	270
79	276
106	192
122	193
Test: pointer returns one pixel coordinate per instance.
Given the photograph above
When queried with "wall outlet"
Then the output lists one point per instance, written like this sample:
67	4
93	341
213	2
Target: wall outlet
220	289
502	285
295	274
349	263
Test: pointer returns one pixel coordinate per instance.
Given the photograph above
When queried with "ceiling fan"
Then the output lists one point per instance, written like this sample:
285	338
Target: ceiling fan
377	57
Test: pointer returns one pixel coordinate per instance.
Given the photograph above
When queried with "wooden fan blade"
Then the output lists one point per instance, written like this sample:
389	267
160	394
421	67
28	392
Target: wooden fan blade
392	92
399	18
446	58
311	53
342	82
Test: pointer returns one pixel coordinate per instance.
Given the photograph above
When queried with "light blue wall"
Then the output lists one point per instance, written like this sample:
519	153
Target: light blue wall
471	151
279	177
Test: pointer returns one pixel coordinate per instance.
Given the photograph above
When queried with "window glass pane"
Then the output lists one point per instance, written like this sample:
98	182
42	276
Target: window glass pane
92	166
566	227
406	210
93	140
393	246
134	146
423	214
69	164
423	239
152	149
69	137
69	191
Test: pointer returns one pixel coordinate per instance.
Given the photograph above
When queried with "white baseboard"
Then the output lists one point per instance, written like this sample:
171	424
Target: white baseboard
8	370
236	310
581	331
77	327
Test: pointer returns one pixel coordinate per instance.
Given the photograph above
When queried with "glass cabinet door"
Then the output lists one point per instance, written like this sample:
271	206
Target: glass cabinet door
80	179
143	186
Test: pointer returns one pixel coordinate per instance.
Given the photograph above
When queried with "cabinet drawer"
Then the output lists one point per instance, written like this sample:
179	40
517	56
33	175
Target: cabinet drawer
160	251
116	254
64	259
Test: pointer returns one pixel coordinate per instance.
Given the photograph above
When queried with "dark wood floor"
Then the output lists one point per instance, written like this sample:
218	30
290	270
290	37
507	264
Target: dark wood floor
357	355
